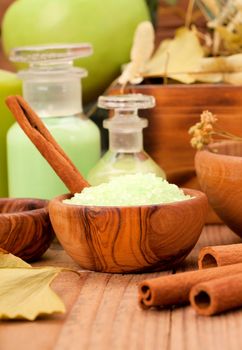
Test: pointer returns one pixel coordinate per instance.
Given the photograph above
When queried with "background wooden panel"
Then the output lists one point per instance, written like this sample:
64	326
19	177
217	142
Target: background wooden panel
170	17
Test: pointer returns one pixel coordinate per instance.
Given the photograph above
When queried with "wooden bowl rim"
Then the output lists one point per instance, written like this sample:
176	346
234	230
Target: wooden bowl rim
211	154
32	212
197	196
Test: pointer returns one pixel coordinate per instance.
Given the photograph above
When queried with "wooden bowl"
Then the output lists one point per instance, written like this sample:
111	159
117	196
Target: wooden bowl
220	177
25	228
129	239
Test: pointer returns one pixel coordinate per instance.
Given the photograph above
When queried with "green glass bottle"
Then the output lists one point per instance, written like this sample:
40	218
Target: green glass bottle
10	84
126	154
52	87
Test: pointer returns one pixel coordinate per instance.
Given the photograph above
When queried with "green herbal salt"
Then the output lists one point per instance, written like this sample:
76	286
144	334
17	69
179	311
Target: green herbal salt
130	190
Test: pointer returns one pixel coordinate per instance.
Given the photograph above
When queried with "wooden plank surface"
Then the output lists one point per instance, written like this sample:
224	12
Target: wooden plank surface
102	313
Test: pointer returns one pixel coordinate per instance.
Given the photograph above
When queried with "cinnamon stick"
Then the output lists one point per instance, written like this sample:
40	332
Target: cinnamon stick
174	289
220	255
218	295
37	132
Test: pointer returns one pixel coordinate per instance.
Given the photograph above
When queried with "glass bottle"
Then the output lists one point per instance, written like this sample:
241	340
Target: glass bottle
51	85
126	154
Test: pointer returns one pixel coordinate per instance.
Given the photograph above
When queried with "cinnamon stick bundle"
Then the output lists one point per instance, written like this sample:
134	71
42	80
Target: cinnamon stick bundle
218	295
220	255
174	289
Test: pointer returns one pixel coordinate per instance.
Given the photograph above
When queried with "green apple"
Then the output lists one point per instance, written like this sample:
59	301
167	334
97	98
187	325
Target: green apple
108	25
9	85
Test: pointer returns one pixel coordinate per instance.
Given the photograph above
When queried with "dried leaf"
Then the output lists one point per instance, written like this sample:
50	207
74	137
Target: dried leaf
9	260
208	77
239	4
143	47
231	40
175	58
221	64
130	75
220	69
25	291
233	78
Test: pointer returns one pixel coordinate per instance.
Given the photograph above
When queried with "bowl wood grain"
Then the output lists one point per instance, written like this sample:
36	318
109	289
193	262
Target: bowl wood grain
129	239
219	172
25	228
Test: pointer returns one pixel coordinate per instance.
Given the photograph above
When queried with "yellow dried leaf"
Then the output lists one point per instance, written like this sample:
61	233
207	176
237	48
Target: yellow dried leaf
239	4
232	40
220	69
142	49
25	291
208	77
221	64
9	260
233	78
239	27
177	57
130	74
144	43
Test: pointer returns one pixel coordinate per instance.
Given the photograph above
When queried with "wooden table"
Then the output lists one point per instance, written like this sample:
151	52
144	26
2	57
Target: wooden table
102	313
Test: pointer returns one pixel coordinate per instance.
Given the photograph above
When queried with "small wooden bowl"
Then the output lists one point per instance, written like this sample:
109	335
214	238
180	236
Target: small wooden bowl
25	227
220	177
129	239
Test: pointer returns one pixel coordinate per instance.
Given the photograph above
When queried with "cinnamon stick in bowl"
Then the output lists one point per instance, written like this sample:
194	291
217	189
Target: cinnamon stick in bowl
40	136
171	290
220	255
218	295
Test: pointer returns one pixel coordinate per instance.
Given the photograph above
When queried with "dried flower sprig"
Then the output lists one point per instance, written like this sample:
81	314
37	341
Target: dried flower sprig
206	131
202	132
